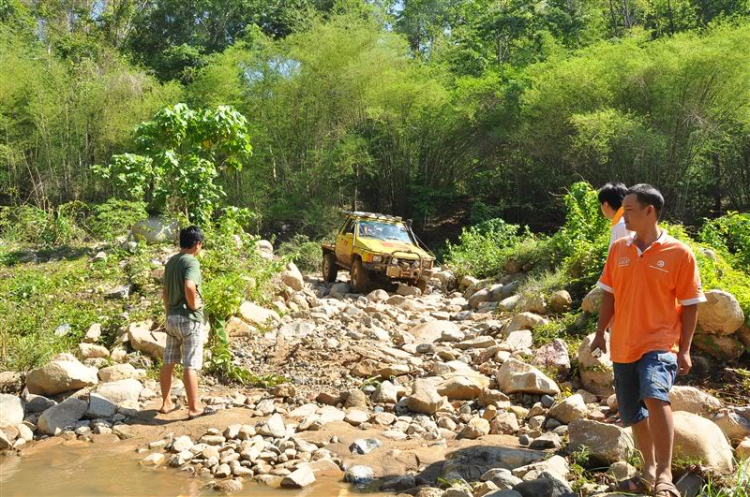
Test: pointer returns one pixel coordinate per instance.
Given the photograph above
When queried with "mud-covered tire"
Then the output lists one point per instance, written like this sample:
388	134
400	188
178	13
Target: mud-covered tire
330	271
360	277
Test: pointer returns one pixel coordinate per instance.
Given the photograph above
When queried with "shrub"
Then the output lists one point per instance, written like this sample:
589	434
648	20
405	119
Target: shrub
305	253
115	217
730	233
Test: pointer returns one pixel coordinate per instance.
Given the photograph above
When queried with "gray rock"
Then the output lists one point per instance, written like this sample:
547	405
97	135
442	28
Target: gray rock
274	427
359	475
548	485
142	339
471	463
385	393
302	477
119	293
11	409
693	400
55	419
607	443
100	407
569	409
124	393
364	445
475	428
398	484
597	373
38	403
546	441
425	399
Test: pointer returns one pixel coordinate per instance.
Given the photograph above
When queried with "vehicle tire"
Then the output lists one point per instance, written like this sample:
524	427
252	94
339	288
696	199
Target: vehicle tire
330	271
360	277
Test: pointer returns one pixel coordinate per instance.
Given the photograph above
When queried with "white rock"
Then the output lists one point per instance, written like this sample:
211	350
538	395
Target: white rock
700	439
519	340
385	393
142	339
61	375
182	443
430	331
606	442
692	400
257	315
597	373
11	409
425	399
302	477
592	301
515	376
274	427
154	459
124	393
92	351
569	409
721	314
93	334
292	277
525	321
119	372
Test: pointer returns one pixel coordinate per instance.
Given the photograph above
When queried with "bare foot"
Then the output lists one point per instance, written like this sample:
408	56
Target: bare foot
168	407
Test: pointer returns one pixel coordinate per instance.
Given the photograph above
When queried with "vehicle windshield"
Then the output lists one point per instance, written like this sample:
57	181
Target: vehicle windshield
384	231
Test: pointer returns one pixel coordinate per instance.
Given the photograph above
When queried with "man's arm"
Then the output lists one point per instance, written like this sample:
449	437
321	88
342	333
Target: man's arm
192	297
165	298
689	318
606	313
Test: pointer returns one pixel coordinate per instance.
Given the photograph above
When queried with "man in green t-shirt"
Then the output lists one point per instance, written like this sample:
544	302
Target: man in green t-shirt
184	308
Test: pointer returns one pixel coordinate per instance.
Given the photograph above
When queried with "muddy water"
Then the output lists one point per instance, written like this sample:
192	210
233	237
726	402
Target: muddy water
76	469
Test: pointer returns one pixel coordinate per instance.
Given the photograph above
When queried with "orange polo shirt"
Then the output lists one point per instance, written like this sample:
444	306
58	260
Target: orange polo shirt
650	289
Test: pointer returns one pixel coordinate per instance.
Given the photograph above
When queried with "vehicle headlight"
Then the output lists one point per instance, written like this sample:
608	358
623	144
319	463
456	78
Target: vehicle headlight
377	258
394	261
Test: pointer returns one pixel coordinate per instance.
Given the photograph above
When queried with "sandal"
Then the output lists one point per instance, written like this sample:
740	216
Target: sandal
635	485
176	407
666	489
207	411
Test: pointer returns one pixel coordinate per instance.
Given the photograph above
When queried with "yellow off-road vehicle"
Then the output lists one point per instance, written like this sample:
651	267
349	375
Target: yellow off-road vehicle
377	248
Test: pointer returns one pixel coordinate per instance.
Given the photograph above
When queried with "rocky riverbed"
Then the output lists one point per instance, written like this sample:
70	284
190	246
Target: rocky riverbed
441	394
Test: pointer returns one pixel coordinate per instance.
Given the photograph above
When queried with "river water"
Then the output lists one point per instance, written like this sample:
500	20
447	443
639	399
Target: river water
79	469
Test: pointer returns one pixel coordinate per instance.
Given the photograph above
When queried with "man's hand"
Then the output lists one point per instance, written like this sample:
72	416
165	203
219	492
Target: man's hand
684	364
600	342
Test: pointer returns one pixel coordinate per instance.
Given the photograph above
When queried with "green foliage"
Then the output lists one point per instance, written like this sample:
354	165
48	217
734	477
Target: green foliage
729	233
183	153
32	225
114	217
305	253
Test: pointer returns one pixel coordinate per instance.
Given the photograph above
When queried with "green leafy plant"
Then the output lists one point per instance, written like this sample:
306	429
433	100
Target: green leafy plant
115	216
305	253
182	153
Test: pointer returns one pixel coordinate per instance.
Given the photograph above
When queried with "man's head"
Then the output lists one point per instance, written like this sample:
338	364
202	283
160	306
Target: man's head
191	239
642	205
610	198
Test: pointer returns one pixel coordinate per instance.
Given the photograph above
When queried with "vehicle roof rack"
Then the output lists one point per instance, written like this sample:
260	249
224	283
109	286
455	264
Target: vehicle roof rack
373	215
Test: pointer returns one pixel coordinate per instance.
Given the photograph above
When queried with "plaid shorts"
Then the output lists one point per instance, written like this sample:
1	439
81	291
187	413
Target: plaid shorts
184	342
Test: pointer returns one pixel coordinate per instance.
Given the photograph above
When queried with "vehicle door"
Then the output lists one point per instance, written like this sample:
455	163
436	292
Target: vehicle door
345	243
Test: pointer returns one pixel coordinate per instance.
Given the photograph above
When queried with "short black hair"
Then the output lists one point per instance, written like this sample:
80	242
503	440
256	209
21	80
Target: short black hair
648	195
613	193
190	237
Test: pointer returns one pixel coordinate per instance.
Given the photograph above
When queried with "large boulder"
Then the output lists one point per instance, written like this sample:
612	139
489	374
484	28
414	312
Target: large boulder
694	401
424	398
721	347
124	393
292	277
57	418
721	314
156	230
11	409
525	321
460	388
569	409
236	327
432	330
597	373
560	302
470	463
142	339
697	438
518	377
535	302
63	374
607	443
257	315
592	301
553	356
734	426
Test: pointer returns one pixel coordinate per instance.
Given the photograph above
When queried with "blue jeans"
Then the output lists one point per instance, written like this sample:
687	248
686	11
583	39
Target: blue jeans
650	377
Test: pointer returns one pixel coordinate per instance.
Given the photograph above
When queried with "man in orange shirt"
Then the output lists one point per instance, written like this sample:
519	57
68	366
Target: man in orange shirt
652	289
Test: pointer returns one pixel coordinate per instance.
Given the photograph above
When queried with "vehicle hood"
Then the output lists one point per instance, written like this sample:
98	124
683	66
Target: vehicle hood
390	246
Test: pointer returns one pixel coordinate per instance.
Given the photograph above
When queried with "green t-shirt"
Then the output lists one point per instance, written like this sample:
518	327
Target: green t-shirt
180	268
